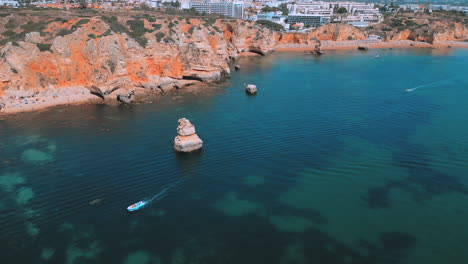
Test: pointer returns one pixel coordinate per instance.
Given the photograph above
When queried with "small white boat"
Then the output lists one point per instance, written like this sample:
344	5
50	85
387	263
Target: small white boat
136	206
377	56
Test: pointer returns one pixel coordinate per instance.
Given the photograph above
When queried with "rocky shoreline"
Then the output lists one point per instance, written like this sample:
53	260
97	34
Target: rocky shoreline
58	64
24	100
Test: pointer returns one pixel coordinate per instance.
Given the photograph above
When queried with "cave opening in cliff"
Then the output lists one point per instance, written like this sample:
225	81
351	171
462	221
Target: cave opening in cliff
193	78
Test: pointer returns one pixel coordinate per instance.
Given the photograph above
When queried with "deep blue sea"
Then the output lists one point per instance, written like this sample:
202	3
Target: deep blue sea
343	158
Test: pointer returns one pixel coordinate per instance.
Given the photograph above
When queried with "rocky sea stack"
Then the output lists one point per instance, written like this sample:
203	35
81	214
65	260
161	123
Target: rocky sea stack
187	140
251	89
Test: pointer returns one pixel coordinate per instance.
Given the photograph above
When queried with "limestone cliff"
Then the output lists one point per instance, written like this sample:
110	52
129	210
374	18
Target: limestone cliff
143	51
335	32
437	27
437	32
42	53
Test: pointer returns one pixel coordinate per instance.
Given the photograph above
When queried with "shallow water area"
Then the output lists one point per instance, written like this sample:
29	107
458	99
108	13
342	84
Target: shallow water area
333	161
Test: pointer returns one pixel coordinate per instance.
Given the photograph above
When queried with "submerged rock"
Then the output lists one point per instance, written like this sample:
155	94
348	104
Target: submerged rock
317	50
187	140
251	89
126	98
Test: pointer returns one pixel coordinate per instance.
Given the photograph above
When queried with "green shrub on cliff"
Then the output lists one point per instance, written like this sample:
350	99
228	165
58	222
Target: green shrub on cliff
191	29
156	26
169	40
114	24
11	24
65	31
31	26
43	47
149	18
211	20
396	23
270	25
8	33
138	31
159	36
410	23
217	29
107	33
82	21
59	19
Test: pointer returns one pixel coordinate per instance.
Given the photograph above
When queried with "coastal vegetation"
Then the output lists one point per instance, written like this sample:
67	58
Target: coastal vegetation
419	26
282	7
270	25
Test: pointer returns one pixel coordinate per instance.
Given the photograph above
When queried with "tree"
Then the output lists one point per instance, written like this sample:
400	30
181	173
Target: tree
267	9
83	4
144	6
284	8
270	25
175	4
342	10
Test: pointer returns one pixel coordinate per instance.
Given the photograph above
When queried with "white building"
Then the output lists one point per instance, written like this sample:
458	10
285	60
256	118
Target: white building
232	9
319	12
9	3
311	14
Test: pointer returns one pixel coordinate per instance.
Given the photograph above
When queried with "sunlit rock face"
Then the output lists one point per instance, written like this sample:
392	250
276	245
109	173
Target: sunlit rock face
93	52
187	140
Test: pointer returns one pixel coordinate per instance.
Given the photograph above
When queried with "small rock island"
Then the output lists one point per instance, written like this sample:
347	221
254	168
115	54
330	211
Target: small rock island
251	89
186	140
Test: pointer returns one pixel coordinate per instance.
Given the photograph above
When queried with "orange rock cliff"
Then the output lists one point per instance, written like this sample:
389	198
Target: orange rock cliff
146	52
91	52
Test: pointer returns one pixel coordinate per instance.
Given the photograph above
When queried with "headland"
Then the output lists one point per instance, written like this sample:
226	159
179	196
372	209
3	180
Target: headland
53	57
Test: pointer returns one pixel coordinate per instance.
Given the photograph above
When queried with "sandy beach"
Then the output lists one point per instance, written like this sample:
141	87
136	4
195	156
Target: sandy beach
40	100
24	101
347	45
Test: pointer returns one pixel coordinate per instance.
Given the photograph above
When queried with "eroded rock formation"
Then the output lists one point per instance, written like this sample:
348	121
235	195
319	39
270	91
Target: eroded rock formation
187	140
91	52
126	98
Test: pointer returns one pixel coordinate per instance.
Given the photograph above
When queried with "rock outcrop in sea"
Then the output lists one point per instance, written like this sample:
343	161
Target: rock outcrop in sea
187	140
251	89
126	98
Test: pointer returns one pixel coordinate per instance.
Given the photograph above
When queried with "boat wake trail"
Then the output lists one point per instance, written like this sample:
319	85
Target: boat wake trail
435	84
163	192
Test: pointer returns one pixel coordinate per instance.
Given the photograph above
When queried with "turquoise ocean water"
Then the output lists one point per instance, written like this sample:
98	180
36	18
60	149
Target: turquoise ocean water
343	158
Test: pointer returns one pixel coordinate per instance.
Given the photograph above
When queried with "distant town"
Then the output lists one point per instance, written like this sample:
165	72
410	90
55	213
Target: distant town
290	15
